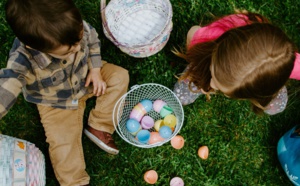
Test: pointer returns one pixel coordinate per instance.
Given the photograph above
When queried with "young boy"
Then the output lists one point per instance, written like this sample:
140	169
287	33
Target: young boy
55	61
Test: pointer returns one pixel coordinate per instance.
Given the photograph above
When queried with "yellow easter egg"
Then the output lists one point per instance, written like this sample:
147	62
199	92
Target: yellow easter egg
158	124
170	121
203	152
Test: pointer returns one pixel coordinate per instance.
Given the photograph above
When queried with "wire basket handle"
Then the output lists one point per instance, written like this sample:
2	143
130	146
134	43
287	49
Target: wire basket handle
104	22
134	87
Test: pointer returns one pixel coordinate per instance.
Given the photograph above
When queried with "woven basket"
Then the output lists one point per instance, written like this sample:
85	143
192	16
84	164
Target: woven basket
139	28
21	163
150	91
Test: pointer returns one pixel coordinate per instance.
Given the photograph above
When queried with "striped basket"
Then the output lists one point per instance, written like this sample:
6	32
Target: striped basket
21	163
139	28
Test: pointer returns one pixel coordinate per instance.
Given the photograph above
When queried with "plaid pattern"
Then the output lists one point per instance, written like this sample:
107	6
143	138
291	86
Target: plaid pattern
46	80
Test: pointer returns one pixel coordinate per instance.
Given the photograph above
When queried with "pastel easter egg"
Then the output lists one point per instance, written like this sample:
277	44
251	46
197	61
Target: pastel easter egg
158	105
176	181
141	107
165	132
151	176
166	110
147	104
143	136
170	120
177	142
147	122
155	138
158	124
136	114
203	152
133	126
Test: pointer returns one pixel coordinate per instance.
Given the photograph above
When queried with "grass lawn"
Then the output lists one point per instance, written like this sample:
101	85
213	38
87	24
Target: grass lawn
242	145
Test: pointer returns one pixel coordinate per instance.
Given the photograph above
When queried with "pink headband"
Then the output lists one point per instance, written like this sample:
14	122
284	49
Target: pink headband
296	70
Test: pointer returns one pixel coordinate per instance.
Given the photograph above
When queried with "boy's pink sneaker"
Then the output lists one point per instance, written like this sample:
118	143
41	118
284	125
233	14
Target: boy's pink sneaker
102	139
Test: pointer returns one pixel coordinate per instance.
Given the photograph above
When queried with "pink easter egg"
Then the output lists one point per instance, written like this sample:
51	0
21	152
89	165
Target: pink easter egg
158	105
176	181
177	142
136	114
203	152
147	122
151	177
155	138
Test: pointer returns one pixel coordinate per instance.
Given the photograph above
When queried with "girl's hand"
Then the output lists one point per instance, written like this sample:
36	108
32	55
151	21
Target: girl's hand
99	84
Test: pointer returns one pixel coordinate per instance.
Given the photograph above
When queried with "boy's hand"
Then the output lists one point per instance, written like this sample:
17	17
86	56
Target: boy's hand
99	84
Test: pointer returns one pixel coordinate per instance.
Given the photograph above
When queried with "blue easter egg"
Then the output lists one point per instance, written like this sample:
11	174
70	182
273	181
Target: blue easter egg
133	126
147	104
165	132
143	136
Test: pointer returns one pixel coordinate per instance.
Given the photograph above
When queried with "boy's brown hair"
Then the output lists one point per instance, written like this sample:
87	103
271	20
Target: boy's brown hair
45	25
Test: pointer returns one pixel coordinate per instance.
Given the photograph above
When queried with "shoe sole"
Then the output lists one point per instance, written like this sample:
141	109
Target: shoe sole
100	144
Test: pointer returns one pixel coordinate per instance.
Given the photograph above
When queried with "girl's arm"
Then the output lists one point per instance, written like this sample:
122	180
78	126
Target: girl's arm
190	34
216	29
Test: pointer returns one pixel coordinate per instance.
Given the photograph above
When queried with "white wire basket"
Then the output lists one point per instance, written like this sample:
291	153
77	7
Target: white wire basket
150	91
21	163
139	28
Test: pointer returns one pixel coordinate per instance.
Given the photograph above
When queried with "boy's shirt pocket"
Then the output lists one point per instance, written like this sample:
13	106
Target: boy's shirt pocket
55	78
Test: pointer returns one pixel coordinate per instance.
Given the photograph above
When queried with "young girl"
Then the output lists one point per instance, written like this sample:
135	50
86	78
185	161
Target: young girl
243	56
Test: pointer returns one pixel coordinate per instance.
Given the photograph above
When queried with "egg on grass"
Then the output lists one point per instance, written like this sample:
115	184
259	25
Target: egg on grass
176	181
177	142
203	152
151	176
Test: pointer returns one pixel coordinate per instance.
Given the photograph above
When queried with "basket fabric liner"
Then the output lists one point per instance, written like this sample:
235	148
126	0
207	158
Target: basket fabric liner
21	163
139	28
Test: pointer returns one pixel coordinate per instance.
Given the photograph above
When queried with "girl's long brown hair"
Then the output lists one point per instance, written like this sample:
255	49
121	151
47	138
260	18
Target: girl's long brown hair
253	62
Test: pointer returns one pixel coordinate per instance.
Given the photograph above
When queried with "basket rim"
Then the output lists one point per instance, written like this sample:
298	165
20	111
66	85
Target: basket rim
116	123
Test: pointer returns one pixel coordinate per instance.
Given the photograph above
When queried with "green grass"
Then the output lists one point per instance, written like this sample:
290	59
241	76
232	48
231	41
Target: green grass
242	145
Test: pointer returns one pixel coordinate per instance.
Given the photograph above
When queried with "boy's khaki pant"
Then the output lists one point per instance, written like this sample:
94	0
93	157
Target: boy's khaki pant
63	128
